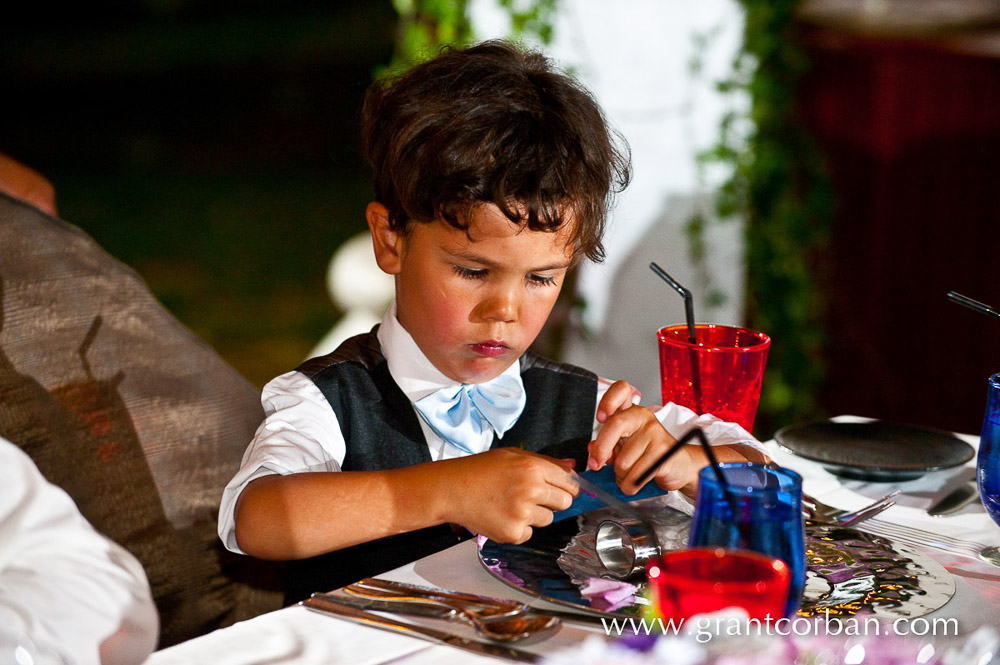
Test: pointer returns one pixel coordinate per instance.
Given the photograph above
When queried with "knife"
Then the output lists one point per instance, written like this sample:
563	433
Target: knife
609	499
955	500
319	603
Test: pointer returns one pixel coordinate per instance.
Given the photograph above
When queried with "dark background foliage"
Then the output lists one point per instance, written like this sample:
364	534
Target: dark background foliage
210	145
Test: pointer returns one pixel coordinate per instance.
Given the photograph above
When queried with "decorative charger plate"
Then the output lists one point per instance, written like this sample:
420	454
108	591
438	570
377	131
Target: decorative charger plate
875	450
848	571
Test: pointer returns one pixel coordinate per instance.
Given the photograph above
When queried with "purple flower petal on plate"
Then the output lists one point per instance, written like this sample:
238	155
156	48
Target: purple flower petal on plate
608	595
500	571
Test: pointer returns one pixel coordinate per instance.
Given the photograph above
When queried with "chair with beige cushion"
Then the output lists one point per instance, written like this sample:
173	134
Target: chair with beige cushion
136	418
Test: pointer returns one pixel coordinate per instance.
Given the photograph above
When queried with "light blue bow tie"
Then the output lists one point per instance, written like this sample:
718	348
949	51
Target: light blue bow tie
459	414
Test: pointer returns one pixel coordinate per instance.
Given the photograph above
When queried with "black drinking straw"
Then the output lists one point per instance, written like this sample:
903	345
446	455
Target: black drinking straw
696	433
692	337
685	293
972	304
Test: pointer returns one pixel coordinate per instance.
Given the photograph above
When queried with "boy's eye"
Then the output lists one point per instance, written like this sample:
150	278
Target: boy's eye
541	280
469	273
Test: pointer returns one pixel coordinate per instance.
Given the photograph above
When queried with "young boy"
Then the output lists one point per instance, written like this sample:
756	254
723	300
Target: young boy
493	175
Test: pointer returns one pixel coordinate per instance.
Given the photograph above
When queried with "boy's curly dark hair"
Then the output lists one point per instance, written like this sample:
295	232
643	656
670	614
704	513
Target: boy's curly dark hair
498	124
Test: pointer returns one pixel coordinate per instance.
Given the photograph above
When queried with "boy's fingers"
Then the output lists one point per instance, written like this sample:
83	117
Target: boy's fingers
640	465
618	397
556	499
594	460
619	426
556	472
539	517
563	481
568	463
630	451
600	452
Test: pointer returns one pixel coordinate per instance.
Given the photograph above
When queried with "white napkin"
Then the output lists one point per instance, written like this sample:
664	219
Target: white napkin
293	635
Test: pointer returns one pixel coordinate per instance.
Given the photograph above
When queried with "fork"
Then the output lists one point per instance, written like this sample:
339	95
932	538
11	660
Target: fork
818	511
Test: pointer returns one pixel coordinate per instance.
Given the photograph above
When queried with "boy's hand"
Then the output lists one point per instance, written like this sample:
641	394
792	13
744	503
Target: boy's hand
634	440
620	396
503	493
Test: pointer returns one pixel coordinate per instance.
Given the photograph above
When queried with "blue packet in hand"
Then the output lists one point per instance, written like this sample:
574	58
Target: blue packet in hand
605	479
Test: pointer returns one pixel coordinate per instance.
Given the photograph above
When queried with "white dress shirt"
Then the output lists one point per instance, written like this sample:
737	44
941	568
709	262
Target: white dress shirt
66	591
301	433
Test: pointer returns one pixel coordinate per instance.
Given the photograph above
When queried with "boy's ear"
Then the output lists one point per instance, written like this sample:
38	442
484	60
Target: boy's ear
388	243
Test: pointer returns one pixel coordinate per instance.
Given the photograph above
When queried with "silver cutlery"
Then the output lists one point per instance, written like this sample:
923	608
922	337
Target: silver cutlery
817	511
323	603
510	627
922	538
483	605
955	500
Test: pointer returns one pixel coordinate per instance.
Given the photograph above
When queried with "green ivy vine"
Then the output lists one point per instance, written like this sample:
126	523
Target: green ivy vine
779	186
426	26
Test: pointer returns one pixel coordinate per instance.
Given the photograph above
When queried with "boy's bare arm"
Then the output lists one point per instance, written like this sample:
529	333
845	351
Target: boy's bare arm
501	494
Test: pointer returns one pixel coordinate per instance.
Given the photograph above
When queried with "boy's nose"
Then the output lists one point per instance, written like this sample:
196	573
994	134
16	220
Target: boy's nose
499	306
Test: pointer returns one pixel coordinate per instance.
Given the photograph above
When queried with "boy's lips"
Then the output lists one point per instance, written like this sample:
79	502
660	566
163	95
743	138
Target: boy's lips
490	349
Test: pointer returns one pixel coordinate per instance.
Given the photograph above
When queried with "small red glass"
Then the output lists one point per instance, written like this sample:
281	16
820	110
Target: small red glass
702	580
721	374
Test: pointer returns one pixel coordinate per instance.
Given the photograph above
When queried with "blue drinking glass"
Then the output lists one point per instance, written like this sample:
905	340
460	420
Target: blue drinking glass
988	462
768	519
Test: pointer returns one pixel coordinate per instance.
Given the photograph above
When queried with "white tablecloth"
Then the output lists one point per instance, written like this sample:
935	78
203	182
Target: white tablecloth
304	637
299	636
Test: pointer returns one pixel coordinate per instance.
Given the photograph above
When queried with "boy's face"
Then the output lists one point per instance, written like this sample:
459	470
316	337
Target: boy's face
472	302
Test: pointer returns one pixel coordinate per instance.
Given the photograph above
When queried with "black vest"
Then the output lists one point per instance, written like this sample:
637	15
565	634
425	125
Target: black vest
382	432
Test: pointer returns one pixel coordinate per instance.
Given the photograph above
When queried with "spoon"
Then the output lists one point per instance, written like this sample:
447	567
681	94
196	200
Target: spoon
955	500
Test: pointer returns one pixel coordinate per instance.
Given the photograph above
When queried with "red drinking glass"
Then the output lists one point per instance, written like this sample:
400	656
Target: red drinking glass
701	580
721	374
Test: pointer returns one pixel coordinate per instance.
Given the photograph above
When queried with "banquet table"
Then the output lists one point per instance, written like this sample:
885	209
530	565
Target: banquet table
300	636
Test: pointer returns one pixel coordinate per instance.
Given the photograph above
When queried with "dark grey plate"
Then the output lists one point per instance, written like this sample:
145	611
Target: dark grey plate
876	450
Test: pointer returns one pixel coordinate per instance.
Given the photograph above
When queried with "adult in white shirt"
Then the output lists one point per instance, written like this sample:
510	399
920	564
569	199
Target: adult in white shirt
67	594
